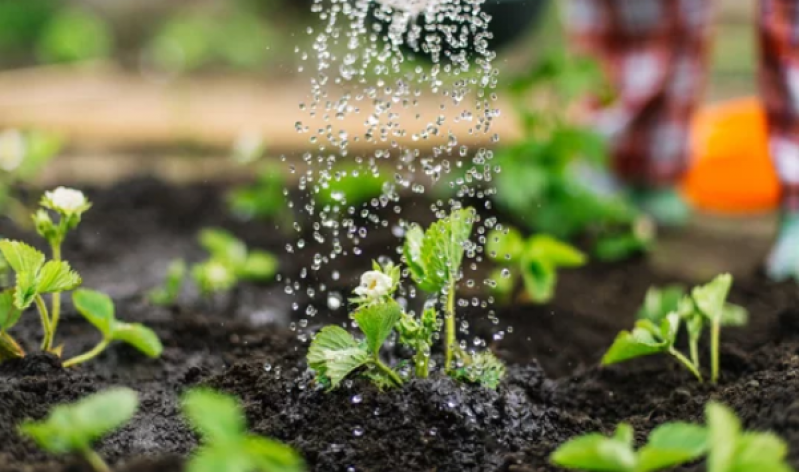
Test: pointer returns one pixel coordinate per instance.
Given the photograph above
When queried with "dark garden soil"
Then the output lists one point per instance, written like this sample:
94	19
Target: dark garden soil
242	344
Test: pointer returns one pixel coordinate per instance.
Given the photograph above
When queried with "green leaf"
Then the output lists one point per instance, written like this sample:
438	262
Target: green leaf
754	448
215	416
505	246
630	345
169	292
539	280
659	302
220	457
723	432
97	308
25	289
57	276
74	427
273	456
435	261
9	313
259	266
139	336
21	257
223	245
377	322
504	284
334	354
483	368
412	250
710	298
555	253
594	452
672	444
734	315
214	275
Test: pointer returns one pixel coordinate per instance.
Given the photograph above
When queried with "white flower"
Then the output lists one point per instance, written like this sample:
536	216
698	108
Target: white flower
12	149
66	200
374	284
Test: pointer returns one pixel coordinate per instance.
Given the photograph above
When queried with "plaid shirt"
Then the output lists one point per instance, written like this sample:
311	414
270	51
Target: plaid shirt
655	53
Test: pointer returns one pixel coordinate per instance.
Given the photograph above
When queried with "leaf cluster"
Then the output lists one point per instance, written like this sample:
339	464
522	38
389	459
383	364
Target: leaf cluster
722	441
535	260
35	275
229	262
481	368
666	310
225	443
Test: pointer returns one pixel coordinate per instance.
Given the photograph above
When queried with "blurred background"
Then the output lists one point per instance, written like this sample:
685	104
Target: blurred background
170	87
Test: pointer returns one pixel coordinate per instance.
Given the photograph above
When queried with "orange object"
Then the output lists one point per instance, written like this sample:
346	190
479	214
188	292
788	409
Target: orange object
731	169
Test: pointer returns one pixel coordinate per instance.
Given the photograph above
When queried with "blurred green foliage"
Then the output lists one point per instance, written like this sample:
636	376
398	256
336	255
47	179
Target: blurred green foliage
74	35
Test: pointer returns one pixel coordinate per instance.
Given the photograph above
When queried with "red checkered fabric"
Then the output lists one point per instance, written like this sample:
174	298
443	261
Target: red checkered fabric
654	53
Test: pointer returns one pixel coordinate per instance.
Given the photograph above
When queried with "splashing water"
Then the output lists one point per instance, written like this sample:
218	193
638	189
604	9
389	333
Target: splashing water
418	121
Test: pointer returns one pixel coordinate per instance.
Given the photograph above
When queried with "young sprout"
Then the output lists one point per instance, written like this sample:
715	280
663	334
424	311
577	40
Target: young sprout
733	450
98	309
482	368
36	277
669	445
229	262
225	444
661	316
168	293
434	260
418	334
537	260
72	429
9	315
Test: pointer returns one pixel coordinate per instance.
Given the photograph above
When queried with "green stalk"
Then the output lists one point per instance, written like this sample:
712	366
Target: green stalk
687	363
386	370
715	331
97	462
45	316
449	320
694	347
56	301
9	348
88	355
422	361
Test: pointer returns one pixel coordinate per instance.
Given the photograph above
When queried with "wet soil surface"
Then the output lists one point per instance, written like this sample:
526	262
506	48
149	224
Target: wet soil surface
242	344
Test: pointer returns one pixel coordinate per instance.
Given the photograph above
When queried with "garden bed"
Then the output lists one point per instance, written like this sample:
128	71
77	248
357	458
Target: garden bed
241	344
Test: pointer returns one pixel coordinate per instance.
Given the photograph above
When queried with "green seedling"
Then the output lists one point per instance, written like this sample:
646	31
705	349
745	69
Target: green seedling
434	261
665	311
350	186
536	260
481	368
98	309
418	335
731	449
168	293
72	429
225	444
668	446
230	262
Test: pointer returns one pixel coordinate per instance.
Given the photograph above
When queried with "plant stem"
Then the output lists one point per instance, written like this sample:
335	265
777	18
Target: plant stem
9	348
55	313
687	363
387	370
694	347
422	361
715	331
45	316
88	355
97	462
449	319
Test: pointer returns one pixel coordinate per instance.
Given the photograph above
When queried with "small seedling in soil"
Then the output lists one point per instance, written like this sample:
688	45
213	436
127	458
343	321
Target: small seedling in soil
72	429
536	260
167	294
225	444
230	262
98	309
434	260
665	311
733	450
669	445
334	353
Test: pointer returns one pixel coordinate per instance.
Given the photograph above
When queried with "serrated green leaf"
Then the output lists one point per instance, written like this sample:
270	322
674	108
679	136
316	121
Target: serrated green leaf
223	245
505	246
215	416
272	456
259	266
594	452
630	345
25	289
377	322
21	257
435	261
723	432
412	250
139	336
334	353
554	253
74	427
57	276
9	313
659	302
672	444
97	308
710	298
